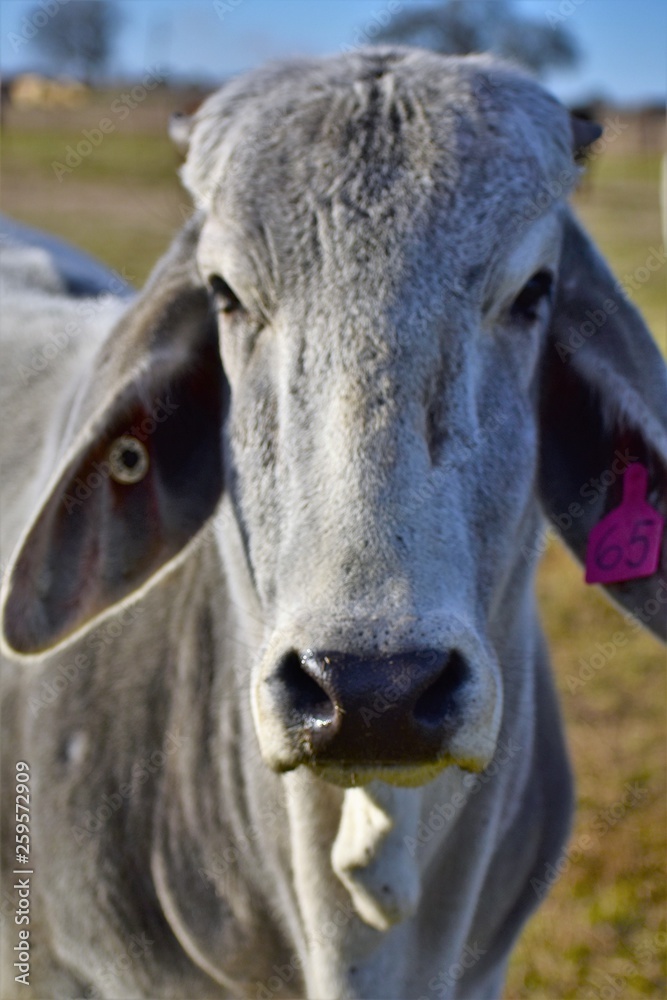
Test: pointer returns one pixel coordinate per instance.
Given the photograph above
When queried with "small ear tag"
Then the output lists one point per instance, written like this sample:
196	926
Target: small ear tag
626	543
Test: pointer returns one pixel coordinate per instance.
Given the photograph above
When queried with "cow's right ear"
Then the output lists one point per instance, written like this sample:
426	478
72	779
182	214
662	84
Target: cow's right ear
144	472
603	409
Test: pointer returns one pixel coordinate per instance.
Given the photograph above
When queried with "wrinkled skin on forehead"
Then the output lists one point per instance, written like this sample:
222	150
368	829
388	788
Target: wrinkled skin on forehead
382	431
359	344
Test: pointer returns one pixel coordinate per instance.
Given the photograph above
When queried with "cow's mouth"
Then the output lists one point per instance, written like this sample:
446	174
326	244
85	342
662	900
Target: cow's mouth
399	775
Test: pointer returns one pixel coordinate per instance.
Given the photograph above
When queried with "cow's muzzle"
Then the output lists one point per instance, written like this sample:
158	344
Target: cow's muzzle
342	713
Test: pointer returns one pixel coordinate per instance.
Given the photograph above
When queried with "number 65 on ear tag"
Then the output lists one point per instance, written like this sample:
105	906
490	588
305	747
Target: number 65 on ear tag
626	543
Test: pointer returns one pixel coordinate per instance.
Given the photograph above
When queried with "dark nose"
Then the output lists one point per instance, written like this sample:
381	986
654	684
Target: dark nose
349	709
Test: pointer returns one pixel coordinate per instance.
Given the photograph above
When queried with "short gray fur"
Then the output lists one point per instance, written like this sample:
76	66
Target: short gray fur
393	428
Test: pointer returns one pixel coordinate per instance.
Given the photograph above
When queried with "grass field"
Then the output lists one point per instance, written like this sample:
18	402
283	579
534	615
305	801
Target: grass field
601	932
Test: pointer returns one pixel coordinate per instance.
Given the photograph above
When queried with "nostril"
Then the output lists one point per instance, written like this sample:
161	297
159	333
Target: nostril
439	699
308	701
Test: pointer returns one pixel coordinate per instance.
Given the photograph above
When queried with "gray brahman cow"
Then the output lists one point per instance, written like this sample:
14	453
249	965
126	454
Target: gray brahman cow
276	695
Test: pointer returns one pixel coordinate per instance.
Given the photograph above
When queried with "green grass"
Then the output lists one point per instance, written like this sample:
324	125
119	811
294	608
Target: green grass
606	914
121	202
153	157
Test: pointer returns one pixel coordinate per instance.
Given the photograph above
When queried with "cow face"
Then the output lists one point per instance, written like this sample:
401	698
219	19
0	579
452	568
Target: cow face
380	335
384	265
383	261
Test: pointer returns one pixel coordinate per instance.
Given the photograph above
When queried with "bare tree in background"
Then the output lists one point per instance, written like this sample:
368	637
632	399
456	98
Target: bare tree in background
79	38
462	26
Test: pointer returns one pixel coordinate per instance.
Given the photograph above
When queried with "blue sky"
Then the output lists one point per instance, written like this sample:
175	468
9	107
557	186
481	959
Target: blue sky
624	42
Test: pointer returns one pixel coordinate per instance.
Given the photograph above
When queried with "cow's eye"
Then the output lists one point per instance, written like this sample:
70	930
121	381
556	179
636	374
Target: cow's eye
536	292
225	299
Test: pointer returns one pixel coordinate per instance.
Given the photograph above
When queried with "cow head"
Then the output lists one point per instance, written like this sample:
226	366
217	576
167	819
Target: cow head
367	333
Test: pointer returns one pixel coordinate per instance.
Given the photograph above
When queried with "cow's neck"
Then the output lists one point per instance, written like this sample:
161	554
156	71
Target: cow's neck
339	865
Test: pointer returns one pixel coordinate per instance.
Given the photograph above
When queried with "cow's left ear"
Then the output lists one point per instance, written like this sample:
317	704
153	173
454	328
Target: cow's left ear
142	476
603	403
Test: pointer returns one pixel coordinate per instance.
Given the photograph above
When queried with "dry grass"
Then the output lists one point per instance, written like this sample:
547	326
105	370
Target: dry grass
606	913
122	203
601	931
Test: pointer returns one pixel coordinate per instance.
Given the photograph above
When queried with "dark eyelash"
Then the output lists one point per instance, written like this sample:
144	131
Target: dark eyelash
225	298
526	304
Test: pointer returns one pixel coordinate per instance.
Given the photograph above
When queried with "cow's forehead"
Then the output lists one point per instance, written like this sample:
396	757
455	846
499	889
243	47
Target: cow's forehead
374	156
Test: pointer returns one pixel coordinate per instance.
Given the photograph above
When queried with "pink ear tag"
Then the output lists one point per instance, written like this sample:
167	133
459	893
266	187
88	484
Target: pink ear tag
626	543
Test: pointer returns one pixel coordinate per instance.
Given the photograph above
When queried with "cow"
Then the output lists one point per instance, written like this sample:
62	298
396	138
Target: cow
276	693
